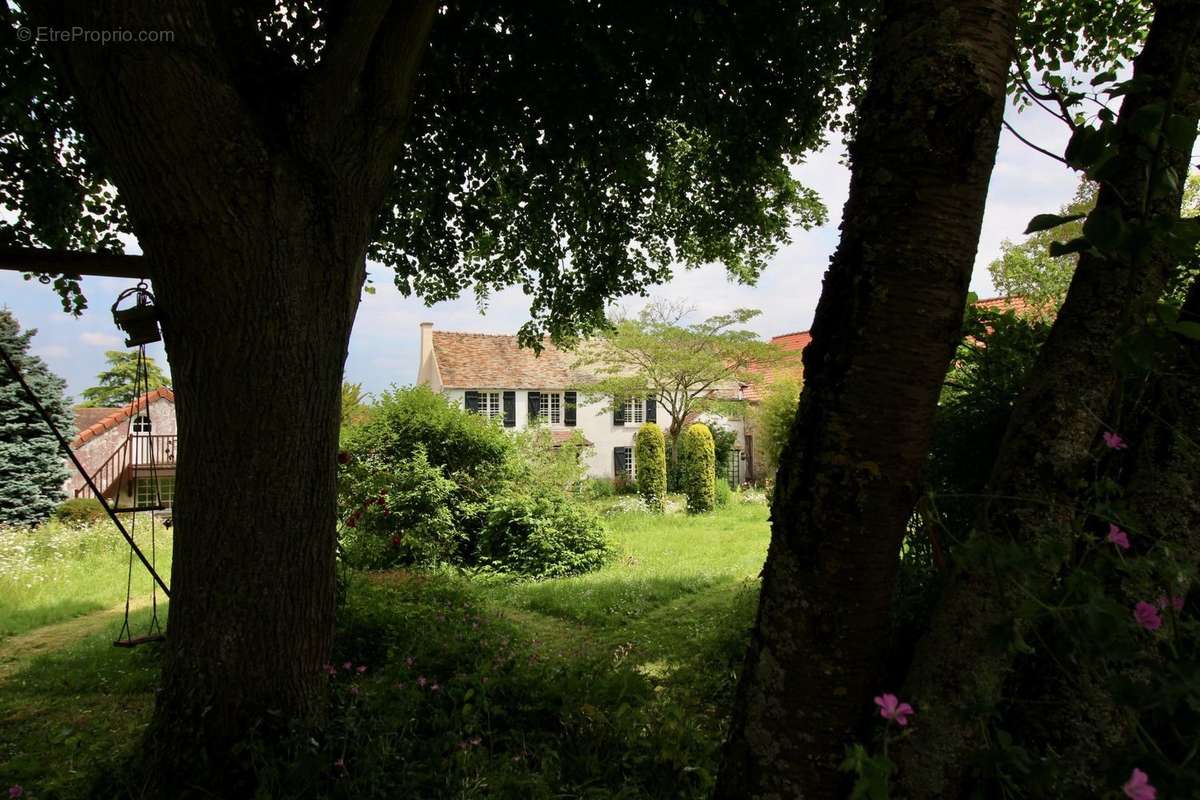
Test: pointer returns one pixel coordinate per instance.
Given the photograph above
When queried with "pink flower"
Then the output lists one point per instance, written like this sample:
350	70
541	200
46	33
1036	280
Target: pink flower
330	669
15	790
361	669
1118	537
1174	602
340	765
1147	616
1114	441
1138	786
347	665
435	688
354	691
421	681
890	708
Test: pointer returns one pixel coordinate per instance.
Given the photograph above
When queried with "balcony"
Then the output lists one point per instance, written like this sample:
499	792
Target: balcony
139	460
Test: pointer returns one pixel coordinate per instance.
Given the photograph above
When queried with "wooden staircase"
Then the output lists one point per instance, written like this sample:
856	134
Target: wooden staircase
137	457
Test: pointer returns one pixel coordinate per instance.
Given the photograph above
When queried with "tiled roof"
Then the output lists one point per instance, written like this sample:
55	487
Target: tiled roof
116	416
485	361
560	437
1017	304
86	417
789	342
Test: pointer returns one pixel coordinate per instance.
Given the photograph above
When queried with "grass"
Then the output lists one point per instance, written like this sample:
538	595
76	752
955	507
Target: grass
59	571
613	684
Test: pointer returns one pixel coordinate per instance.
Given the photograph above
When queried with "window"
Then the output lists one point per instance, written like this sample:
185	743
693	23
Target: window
489	404
635	411
624	466
141	424
551	407
145	495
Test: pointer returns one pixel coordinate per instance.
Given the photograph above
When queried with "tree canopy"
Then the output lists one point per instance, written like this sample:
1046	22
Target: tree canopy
578	150
688	367
117	384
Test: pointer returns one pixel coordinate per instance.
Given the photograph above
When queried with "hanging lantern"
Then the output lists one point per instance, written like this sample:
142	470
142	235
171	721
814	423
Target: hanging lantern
139	321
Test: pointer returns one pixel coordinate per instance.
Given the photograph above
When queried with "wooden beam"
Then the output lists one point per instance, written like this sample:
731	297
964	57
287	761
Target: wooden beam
73	262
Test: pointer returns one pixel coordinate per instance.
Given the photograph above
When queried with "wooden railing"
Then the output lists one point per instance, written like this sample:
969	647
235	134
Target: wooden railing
138	453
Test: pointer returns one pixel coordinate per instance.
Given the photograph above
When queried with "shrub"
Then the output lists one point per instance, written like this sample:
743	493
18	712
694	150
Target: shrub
722	493
772	422
539	465
541	536
599	489
399	514
80	511
650	455
697	468
623	484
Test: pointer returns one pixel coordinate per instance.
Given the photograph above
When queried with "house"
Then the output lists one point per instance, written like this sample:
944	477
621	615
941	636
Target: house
129	452
491	375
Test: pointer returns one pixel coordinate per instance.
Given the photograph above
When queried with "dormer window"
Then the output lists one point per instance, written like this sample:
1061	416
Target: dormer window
141	423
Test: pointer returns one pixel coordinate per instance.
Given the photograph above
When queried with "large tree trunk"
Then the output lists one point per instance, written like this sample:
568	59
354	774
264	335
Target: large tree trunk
884	333
254	206
960	667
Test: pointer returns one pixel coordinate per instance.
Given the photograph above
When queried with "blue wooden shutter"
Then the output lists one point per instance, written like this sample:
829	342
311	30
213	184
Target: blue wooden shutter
569	400
535	406
471	401
619	461
651	409
618	411
510	409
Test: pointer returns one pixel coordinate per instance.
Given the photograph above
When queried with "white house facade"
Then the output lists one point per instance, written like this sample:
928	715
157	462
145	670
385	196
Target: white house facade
492	375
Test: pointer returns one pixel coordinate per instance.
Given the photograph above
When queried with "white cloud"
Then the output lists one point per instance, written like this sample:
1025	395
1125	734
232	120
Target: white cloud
98	339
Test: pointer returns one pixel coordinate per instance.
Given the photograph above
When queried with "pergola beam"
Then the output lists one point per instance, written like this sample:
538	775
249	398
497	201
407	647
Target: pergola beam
73	262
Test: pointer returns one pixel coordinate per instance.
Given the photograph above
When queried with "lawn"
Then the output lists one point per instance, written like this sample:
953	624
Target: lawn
611	684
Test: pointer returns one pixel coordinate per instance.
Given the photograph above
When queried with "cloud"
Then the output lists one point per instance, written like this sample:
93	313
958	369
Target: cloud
98	339
52	352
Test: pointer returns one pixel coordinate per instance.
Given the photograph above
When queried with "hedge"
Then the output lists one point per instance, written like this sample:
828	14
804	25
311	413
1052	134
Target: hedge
650	456
697	468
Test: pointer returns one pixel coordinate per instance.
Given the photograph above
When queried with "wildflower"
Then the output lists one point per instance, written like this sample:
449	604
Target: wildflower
348	665
435	688
354	691
361	669
421	681
1174	602
1138	786
1147	616
15	790
340	765
1118	537
1114	441
476	741
397	540
890	708
408	662
330	669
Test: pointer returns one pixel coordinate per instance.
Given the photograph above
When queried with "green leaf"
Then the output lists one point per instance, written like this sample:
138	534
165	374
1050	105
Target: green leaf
1067	248
1148	119
1190	330
1104	229
1107	76
1044	222
1181	132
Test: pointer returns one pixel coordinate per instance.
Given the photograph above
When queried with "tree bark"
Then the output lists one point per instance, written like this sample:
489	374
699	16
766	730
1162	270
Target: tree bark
960	667
885	330
253	208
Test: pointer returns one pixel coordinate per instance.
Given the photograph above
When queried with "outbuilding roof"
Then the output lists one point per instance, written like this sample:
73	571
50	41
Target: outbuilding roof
487	361
115	417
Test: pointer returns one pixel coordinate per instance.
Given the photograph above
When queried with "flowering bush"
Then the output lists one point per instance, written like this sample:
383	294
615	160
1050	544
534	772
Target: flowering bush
541	536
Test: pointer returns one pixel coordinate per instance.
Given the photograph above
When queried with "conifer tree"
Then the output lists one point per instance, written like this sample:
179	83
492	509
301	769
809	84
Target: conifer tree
32	471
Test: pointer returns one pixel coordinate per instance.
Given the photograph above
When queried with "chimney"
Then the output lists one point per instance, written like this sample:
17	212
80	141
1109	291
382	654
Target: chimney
426	371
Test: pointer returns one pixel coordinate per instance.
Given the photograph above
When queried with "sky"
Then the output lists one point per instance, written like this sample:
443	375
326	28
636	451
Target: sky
383	347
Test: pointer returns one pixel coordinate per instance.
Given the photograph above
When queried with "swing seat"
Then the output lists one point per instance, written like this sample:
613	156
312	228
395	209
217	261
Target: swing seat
158	637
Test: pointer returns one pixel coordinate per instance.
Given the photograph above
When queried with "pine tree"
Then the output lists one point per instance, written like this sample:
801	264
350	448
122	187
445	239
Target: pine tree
32	471
118	384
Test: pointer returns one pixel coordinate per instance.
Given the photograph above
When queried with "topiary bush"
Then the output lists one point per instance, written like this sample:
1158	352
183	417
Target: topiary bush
541	536
650	455
80	511
697	468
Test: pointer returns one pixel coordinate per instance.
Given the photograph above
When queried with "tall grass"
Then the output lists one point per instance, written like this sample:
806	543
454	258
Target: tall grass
58	571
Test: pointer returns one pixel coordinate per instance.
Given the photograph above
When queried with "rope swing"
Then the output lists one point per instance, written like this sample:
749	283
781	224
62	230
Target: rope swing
140	323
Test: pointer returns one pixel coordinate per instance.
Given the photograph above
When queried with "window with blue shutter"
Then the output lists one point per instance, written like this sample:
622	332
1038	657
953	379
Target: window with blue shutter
510	409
